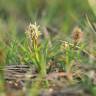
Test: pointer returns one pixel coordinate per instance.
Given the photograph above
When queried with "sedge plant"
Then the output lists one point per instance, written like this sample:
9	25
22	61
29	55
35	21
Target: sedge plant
33	35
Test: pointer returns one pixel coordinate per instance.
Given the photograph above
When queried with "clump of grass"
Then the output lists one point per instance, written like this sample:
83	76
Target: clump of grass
39	51
33	34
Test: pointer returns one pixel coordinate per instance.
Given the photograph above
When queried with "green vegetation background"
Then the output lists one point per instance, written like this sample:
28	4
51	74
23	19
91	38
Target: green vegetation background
62	14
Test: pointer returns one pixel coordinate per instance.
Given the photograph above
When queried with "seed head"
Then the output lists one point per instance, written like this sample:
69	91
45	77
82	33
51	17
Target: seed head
32	32
77	35
64	45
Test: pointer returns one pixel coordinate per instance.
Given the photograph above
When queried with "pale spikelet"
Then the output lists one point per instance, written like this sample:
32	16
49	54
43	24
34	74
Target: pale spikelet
32	32
77	35
64	45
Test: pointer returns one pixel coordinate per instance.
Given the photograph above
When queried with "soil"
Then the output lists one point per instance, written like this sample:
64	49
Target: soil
16	76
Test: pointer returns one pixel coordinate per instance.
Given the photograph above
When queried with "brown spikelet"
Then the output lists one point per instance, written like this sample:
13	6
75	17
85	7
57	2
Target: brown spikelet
77	35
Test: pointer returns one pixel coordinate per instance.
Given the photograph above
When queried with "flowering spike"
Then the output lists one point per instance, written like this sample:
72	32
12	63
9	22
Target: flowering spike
32	32
77	35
